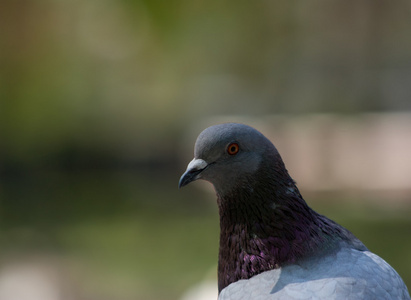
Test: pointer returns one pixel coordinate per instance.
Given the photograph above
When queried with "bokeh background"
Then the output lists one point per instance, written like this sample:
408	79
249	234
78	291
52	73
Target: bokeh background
101	102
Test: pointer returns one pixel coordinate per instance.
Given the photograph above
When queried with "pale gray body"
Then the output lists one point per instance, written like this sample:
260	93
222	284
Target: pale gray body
346	274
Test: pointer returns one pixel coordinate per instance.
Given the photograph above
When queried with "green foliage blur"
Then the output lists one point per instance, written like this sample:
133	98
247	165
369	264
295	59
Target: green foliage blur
97	99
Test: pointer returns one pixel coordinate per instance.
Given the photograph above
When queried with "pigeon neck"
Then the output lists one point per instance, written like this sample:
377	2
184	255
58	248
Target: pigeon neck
265	226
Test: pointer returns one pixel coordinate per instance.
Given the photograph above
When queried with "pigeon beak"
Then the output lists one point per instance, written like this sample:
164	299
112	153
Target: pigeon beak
194	168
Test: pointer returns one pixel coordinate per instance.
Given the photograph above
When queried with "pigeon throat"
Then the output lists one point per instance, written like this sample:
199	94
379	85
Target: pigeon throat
261	230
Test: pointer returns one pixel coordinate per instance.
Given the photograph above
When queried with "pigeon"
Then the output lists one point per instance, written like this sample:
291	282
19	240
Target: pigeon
272	244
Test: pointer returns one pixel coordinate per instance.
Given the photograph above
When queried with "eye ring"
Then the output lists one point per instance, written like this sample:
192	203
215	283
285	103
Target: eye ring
233	149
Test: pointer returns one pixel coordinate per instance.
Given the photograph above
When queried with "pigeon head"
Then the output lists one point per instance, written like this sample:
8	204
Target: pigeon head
227	155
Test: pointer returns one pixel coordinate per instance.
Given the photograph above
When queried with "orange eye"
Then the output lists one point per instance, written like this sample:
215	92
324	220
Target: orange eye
233	149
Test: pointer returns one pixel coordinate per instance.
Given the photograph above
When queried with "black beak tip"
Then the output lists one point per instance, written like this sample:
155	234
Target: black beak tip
183	181
187	177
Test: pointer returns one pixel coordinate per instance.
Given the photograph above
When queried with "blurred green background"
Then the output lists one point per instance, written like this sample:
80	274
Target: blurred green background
100	104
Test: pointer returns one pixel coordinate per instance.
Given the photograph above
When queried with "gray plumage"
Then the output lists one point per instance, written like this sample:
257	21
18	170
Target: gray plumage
346	274
272	245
